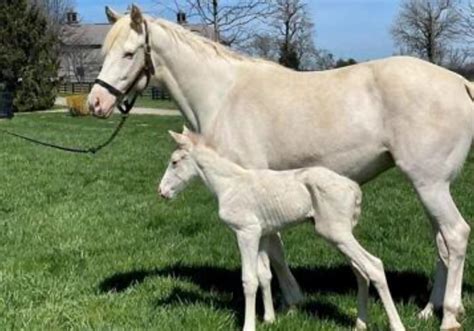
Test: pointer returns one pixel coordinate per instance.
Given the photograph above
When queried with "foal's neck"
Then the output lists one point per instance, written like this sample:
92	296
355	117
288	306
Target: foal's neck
215	170
195	73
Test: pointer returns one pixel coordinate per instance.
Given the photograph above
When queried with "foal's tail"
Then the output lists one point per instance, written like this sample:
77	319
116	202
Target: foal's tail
470	89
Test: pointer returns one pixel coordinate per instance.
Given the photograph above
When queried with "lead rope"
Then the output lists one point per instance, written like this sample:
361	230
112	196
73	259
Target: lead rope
90	150
148	70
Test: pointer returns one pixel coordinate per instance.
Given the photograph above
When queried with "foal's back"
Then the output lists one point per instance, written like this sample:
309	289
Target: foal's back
283	198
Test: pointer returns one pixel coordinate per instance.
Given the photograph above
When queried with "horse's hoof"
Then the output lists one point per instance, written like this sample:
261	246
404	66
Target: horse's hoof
461	312
453	327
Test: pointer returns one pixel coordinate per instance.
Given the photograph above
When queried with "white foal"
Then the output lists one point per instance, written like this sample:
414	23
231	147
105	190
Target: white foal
257	203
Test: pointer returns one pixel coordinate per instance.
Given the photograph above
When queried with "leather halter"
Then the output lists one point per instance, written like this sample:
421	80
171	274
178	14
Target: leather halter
148	70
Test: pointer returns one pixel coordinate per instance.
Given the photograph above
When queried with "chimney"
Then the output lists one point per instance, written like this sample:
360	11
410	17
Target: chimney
181	17
71	17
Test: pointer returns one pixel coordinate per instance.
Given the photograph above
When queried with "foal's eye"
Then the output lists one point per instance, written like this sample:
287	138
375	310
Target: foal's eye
174	163
128	55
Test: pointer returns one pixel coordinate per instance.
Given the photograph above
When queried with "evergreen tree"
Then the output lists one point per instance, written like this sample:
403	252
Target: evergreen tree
289	56
28	56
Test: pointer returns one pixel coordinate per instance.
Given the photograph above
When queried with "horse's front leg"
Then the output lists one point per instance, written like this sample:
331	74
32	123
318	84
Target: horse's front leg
248	240
288	284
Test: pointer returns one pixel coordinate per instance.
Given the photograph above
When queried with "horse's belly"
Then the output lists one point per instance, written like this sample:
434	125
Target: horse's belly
360	162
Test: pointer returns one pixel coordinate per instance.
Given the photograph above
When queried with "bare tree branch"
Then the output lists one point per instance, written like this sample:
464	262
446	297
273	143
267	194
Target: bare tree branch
427	28
231	20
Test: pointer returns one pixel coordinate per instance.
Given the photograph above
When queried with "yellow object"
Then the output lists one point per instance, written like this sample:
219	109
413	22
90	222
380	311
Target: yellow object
77	105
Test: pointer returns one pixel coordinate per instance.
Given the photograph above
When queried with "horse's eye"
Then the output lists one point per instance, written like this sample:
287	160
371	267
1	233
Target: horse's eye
128	55
174	163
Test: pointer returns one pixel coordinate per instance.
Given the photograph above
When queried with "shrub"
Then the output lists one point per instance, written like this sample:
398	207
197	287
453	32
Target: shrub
77	105
28	56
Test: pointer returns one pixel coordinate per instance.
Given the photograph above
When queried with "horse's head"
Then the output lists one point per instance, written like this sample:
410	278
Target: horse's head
127	66
181	168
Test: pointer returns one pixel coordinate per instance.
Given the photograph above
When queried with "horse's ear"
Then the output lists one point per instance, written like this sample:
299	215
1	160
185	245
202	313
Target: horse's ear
182	140
112	15
137	17
186	130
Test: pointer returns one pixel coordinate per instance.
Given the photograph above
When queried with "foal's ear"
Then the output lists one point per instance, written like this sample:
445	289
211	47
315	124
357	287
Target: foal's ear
182	140
186	130
112	15
137	18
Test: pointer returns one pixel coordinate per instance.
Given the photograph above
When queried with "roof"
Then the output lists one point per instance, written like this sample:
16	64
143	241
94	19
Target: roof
94	34
85	34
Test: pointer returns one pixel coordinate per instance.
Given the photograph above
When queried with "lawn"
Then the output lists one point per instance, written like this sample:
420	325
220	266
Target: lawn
148	102
87	244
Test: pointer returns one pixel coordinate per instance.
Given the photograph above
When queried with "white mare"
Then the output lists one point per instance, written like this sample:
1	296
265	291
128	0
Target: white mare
357	121
256	203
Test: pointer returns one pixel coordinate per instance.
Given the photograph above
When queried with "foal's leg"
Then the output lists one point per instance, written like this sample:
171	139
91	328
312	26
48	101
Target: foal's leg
288	284
455	232
363	283
368	265
439	287
265	279
248	240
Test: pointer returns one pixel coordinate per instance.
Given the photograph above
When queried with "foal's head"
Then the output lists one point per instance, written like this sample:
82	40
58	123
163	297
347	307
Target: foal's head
124	63
181	167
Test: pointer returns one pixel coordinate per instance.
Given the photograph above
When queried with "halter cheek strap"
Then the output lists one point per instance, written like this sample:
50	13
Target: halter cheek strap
148	70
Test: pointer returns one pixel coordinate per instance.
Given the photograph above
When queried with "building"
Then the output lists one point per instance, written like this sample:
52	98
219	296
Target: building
81	57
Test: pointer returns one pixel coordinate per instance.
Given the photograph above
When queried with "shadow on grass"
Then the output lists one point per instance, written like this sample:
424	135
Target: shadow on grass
405	286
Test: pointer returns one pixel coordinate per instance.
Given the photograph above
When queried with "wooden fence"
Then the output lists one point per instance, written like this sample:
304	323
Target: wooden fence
84	88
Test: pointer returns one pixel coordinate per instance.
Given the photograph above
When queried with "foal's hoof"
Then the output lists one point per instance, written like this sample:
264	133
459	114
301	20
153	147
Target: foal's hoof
426	313
360	325
269	319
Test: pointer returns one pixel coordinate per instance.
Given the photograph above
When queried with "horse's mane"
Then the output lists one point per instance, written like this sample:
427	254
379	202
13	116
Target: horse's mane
200	44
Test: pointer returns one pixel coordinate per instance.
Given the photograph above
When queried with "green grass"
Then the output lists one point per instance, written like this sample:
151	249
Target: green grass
87	244
148	102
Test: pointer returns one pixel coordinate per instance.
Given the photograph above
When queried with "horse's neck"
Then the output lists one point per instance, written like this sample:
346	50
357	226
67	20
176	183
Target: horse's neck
215	170
197	80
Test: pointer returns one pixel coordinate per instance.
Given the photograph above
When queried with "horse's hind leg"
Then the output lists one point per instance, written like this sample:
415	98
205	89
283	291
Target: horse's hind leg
289	287
439	287
455	232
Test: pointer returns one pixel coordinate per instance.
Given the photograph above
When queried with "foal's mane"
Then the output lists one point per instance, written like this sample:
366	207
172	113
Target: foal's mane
119	32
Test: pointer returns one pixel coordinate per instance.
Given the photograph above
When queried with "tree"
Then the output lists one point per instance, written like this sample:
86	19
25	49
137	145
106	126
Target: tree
55	11
28	56
467	25
427	28
263	45
324	60
231	20
295	33
344	63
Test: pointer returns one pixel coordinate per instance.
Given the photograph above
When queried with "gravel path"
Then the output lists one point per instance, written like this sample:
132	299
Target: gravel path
60	101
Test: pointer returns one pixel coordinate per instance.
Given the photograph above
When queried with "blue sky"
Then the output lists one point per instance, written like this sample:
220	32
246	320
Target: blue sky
347	28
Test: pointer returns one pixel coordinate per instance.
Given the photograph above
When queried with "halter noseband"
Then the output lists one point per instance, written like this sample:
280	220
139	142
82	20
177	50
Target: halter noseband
148	70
